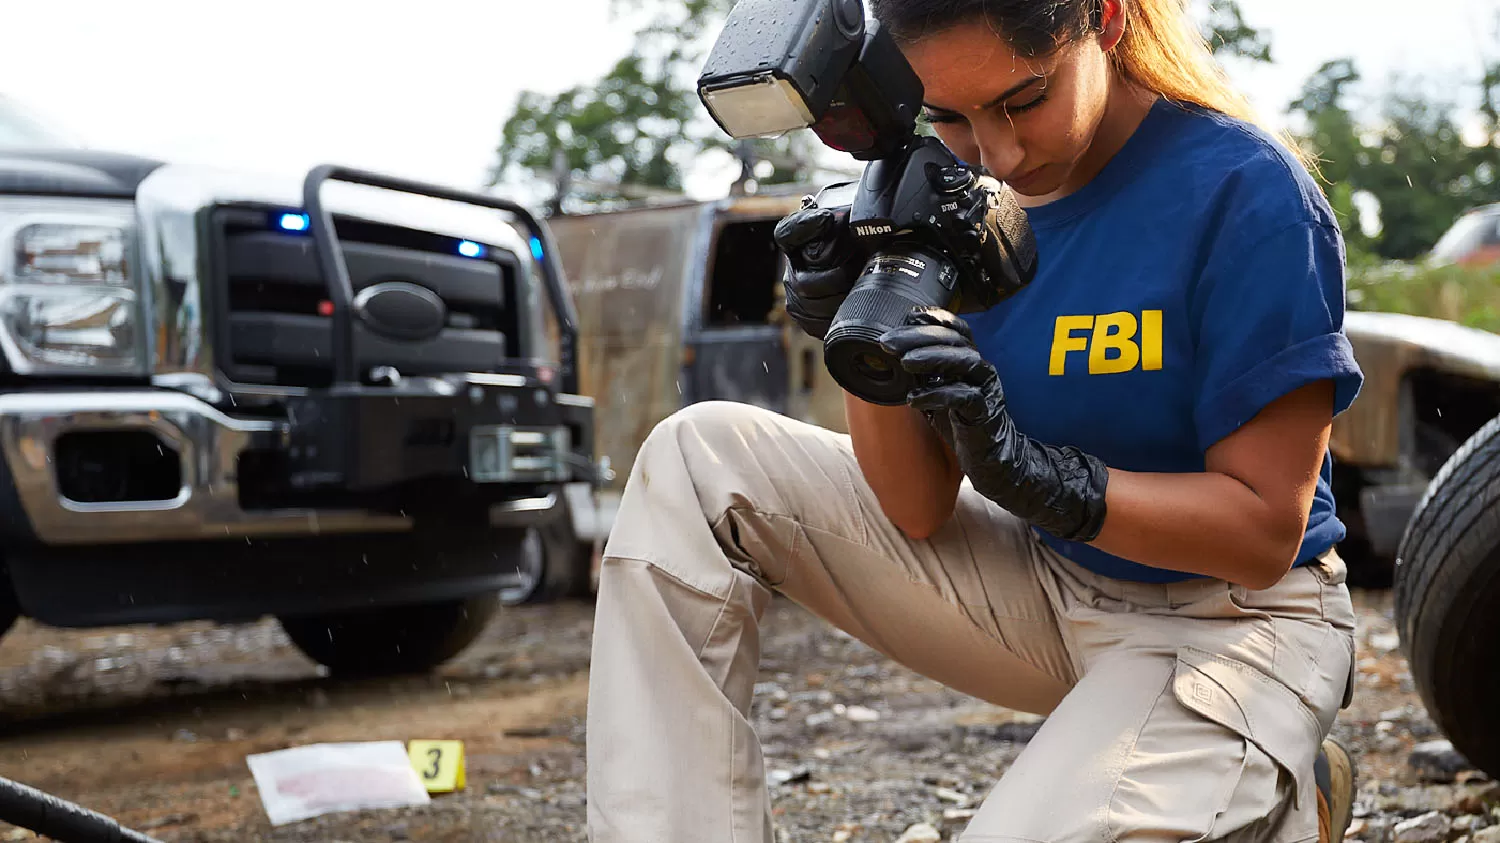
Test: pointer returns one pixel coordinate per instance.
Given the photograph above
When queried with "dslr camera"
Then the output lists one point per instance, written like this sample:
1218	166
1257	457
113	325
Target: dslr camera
935	232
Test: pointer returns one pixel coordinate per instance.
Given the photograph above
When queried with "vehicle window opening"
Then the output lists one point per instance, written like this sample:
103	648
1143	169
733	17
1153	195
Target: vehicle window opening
746	272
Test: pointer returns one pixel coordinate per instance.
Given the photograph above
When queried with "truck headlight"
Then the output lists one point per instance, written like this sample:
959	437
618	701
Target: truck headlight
69	302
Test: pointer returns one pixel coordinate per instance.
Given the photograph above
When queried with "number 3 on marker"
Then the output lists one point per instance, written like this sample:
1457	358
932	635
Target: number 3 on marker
439	763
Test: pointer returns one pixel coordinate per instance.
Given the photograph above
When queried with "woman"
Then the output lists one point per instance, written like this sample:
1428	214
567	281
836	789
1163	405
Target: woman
1111	506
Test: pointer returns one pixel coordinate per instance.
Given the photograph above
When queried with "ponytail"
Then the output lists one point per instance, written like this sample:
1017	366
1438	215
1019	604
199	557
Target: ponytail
1163	52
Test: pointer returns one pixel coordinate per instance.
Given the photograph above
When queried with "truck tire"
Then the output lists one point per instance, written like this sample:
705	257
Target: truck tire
554	566
391	639
1447	585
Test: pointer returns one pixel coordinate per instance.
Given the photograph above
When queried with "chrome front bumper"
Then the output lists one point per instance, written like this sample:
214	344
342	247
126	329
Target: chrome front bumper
208	443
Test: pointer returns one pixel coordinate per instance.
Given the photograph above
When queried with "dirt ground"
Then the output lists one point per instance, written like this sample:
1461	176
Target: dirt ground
153	725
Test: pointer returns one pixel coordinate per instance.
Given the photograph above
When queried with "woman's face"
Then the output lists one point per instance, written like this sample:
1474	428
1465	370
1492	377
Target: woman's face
1029	121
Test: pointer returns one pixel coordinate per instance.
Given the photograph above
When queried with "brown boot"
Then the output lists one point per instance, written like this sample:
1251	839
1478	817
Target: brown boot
1335	775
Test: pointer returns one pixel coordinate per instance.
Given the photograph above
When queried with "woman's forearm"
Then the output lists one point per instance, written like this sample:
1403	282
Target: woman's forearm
1243	518
1209	524
911	471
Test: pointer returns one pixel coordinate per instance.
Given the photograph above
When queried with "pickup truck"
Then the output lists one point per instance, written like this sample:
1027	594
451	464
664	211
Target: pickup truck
342	399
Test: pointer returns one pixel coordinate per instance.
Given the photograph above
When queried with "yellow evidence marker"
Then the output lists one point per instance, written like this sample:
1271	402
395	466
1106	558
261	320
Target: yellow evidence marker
439	764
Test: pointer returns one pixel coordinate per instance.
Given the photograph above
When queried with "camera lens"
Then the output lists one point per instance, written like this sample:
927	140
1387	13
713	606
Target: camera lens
893	282
873	368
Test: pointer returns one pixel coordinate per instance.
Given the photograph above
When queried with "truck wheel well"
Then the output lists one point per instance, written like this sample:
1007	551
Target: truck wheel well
1451	406
1439	412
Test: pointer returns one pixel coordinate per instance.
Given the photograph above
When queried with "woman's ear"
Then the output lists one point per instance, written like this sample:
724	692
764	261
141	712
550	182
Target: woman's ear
1111	23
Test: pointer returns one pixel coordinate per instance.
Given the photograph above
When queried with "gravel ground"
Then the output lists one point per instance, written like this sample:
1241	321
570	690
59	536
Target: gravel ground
152	726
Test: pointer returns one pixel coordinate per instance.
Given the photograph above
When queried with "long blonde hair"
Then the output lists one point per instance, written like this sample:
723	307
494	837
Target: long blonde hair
1164	53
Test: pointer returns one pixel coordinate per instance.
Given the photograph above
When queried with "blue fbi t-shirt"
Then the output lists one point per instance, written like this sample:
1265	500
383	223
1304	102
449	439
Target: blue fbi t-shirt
1197	278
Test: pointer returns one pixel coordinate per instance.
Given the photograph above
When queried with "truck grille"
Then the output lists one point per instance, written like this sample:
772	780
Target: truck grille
272	306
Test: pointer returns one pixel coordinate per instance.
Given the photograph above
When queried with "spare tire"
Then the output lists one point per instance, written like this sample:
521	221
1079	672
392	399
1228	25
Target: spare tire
1447	587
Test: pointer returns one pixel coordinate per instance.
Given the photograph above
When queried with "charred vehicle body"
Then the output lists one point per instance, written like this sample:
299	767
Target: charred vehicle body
343	399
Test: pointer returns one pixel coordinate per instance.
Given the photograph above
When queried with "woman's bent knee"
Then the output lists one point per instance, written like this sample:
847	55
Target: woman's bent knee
713	422
694	466
715	443
725	480
706	441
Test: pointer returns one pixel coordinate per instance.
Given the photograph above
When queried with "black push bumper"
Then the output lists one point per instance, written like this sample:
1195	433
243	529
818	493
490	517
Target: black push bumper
481	437
341	461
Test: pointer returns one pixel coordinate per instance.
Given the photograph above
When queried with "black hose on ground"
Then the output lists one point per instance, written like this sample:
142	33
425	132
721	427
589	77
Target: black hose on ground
29	808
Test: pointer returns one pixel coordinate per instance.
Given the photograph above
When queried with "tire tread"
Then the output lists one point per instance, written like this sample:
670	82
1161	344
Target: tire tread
1447	578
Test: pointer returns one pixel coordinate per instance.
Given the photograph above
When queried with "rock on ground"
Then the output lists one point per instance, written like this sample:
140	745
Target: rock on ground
1432	827
1437	761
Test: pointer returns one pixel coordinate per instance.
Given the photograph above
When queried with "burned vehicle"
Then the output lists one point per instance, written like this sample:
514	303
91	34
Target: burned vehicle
681	303
342	399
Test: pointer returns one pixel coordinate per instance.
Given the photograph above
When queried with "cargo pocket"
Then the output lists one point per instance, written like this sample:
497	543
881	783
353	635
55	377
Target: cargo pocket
1275	724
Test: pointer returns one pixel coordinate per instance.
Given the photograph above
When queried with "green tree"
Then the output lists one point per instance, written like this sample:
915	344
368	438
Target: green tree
626	133
1229	35
1425	176
1331	133
622	129
630	134
1410	158
1331	129
1487	157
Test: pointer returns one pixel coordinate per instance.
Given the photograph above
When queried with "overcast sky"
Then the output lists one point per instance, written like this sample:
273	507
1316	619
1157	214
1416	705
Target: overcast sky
423	91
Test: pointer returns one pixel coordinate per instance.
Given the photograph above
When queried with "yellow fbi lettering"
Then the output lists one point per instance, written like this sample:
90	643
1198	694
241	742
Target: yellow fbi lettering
1114	342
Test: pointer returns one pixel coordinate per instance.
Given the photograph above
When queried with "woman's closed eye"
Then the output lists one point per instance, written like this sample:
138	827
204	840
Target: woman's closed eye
1024	107
1011	109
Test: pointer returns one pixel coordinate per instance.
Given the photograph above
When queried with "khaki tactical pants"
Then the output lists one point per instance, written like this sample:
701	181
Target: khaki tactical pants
1178	712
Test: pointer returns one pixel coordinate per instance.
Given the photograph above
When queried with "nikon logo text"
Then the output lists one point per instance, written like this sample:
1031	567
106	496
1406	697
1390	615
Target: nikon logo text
1110	340
871	230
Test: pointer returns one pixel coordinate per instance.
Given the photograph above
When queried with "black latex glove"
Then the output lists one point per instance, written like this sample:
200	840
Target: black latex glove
1059	489
823	265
